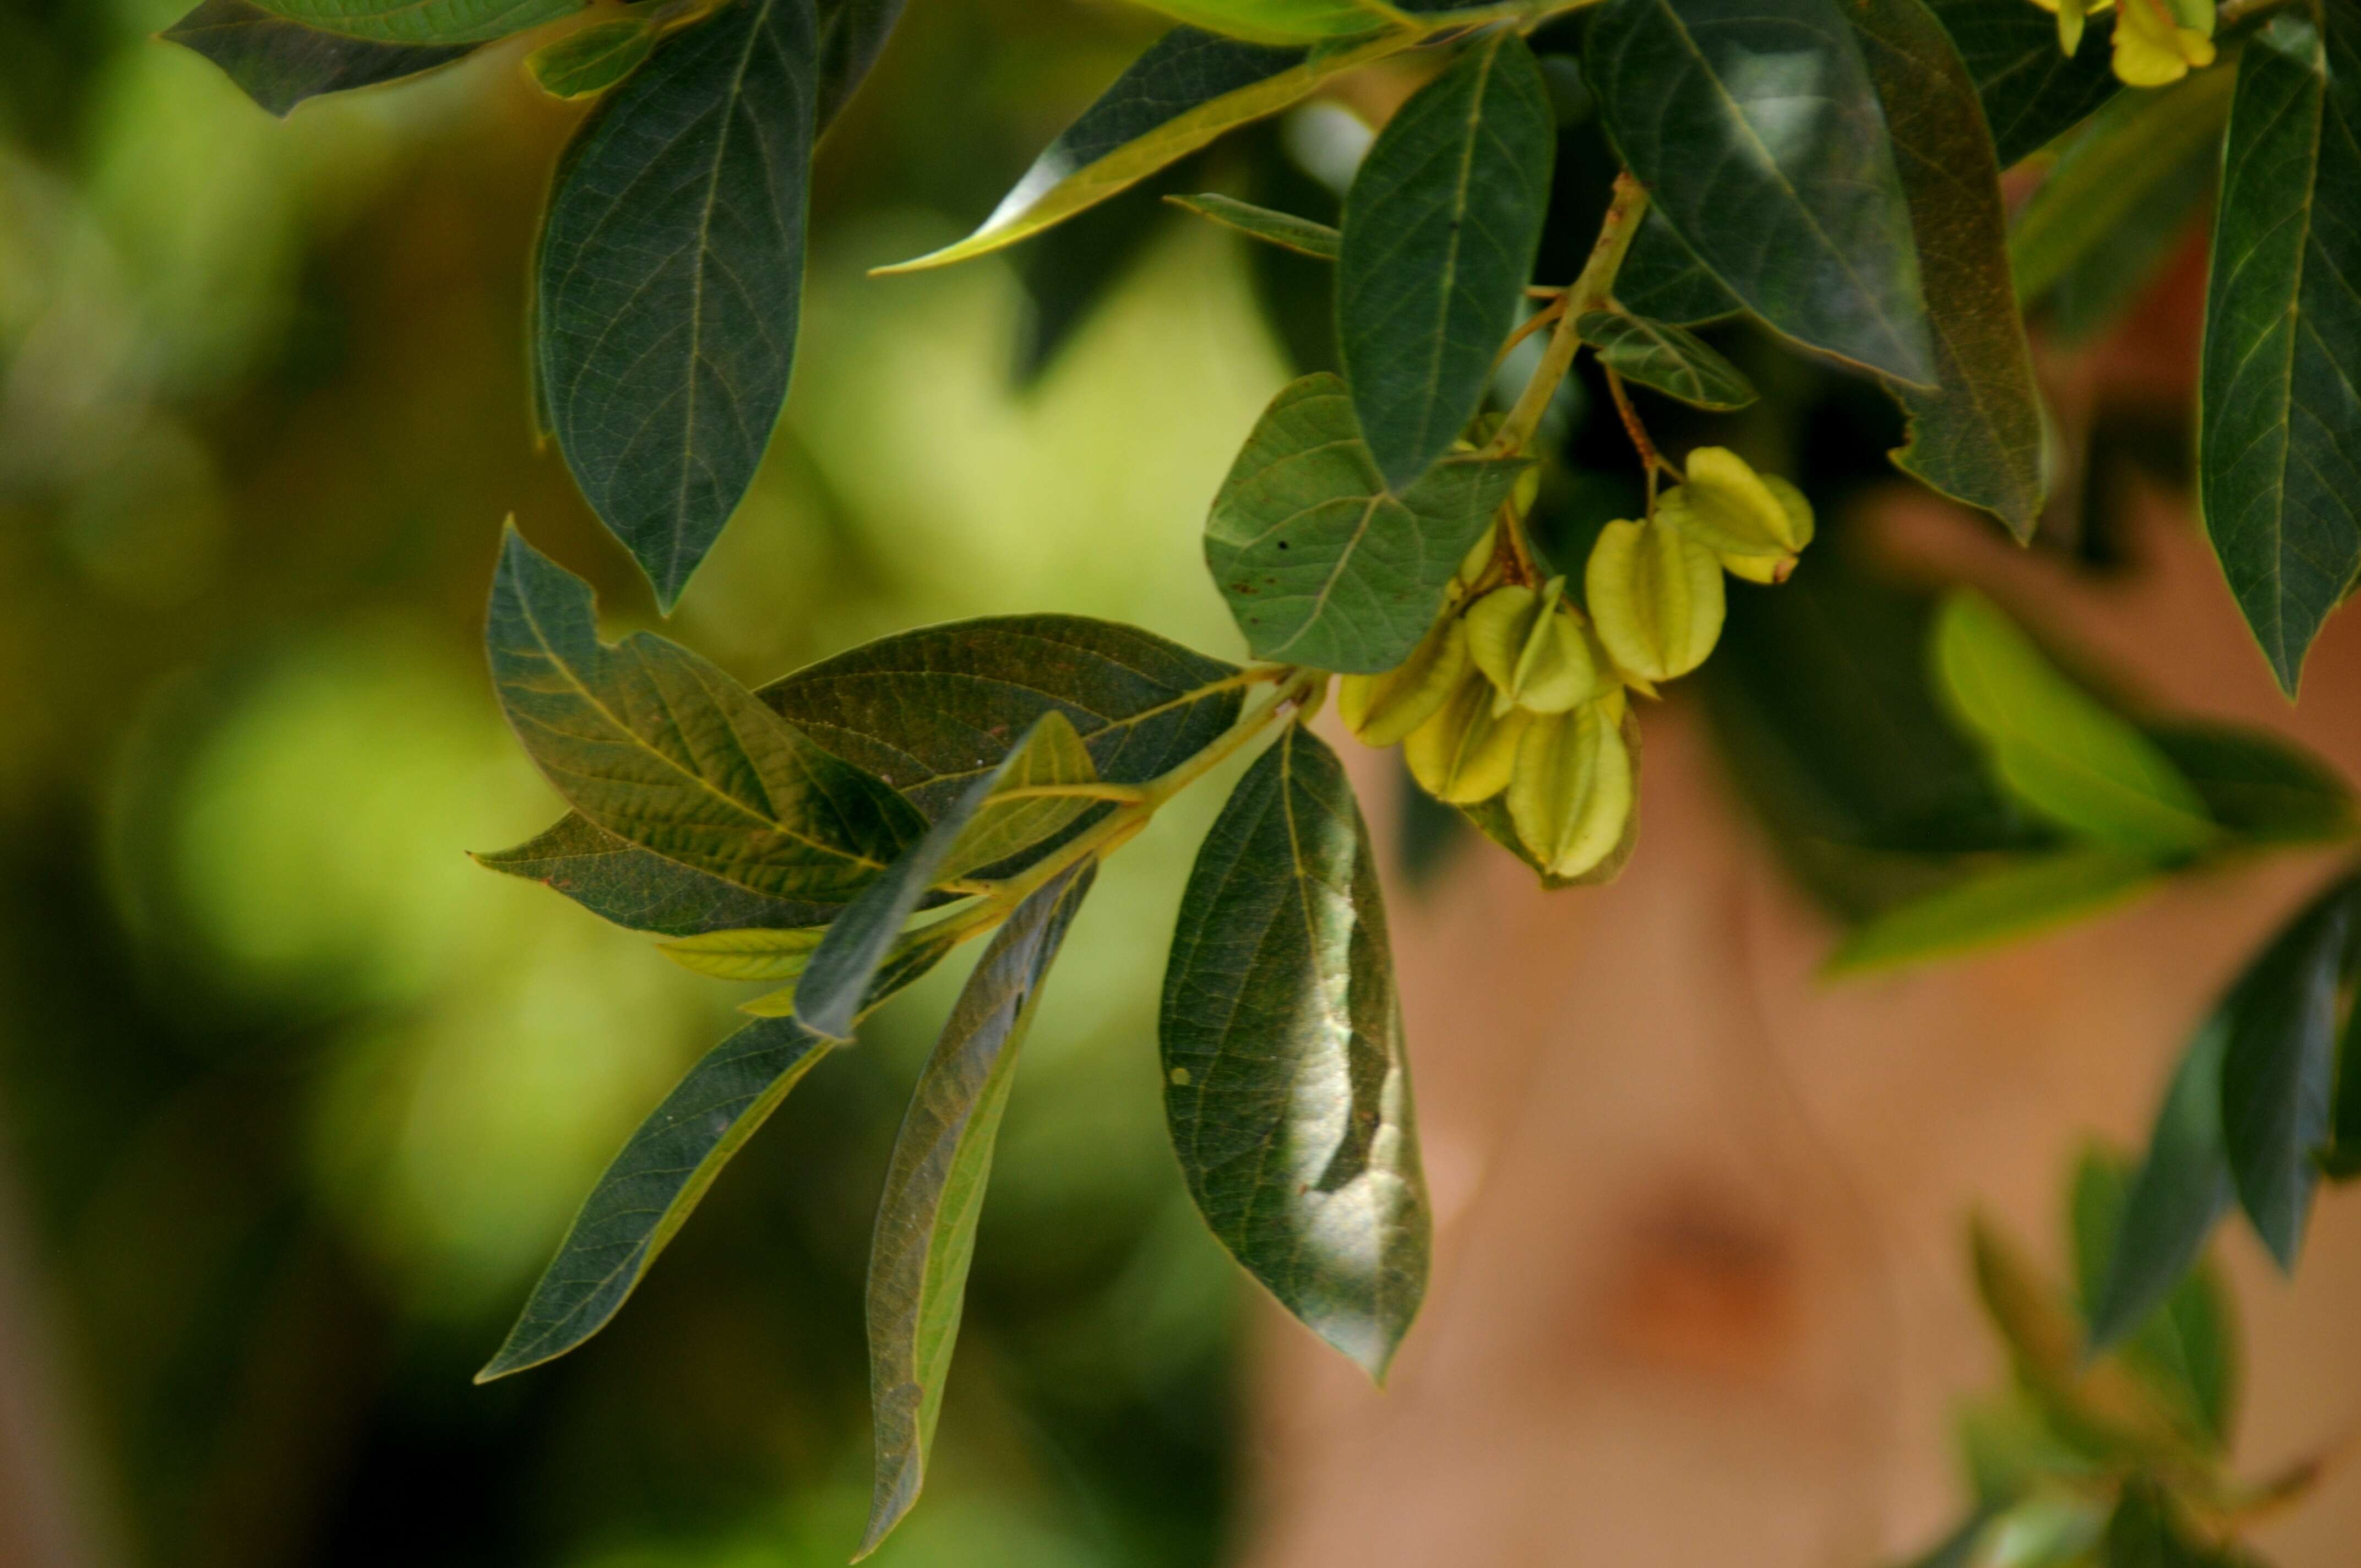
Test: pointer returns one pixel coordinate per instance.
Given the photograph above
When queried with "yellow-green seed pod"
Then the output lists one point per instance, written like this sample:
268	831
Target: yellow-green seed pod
1383	710
1527	490
1731	510
1570	794
1478	558
1465	754
1655	597
1531	649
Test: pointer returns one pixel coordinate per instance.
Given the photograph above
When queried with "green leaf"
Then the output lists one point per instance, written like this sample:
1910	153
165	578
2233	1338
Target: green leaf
2032	94
665	1170
2062	753
2181	1188
1283	21
755	953
2278	1068
590	61
1657	354
1185	91
1282	229
1755	127
2186	1353
2340	1161
2259	785
988	821
934	1191
2144	1532
1957	1550
657	746
279	64
2017	900
421	21
618	881
1977	436
1286	1084
2279	394
1661	279
670	277
850	36
2138	144
1319	564
1441	229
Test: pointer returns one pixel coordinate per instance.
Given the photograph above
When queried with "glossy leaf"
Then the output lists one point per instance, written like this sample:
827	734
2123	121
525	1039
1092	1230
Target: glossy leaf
2031	93
618	881
2279	394
1186	90
670	277
1319	564
1282	229
848	37
1663	357
659	746
1441	229
421	21
934	1191
279	64
2181	1188
1977	436
1756	129
2054	747
593	59
1283	21
985	824
2278	1070
2005	904
2259	785
1286	1084
1663	280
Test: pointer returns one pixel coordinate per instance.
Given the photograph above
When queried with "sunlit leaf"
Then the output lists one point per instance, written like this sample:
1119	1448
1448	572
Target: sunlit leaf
1282	229
279	63
1286	1084
2279	395
670	277
1668	358
1319	564
2017	900
1283	21
934	1191
1441	228
748	953
421	21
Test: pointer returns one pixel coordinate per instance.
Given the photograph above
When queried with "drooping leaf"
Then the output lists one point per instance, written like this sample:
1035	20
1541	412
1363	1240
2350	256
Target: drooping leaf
1319	562
1657	354
993	819
2032	94
279	64
2279	394
421	21
670	276
934	1191
2181	1188
1977	436
2259	785
618	881
665	1170
1441	230
1756	129
1282	229
657	746
2016	900
1283	21
1286	1085
850	36
2058	750
1663	280
2187	1352
593	59
1186	90
2278	1068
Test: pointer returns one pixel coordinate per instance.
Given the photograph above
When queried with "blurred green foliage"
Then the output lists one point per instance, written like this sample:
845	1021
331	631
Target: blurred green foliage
295	1098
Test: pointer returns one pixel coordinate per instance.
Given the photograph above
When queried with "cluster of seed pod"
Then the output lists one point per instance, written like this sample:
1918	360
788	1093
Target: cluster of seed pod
1516	691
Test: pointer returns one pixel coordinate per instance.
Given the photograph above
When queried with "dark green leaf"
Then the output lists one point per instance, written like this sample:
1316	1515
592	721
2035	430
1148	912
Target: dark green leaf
2279	395
2181	1188
2032	94
2145	1533
1286	1084
665	1170
2186	1353
2278	1070
2258	785
1661	279
1441	229
1755	127
1283	229
618	881
1673	361
2342	1160
2012	901
1186	90
411	22
934	1191
2056	748
593	59
850	36
670	277
1977	436
657	746
279	63
1319	564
